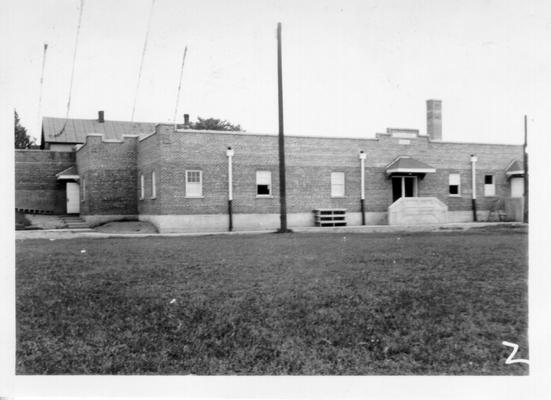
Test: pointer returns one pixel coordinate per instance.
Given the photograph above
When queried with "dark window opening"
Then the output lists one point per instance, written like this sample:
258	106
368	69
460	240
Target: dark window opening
488	179
454	189
262	190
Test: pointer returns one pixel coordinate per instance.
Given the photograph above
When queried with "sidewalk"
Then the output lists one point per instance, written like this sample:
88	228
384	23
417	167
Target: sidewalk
90	233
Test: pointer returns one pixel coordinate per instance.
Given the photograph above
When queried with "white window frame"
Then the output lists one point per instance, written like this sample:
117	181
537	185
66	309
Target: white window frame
490	188
336	185
83	190
190	185
142	187
454	180
261	180
153	186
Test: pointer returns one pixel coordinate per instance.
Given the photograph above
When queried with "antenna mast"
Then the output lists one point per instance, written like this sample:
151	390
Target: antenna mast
179	87
143	56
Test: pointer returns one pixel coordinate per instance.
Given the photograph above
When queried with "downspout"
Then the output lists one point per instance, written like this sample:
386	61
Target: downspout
230	153
474	159
362	185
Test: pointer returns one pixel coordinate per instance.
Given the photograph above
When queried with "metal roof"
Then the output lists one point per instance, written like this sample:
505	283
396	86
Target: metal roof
75	130
406	164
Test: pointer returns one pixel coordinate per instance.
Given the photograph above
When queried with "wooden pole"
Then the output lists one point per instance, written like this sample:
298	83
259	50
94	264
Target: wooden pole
282	191
525	217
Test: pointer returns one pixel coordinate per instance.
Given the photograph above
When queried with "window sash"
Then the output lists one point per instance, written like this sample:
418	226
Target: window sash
489	188
263	183
455	185
142	186
153	186
337	184
194	183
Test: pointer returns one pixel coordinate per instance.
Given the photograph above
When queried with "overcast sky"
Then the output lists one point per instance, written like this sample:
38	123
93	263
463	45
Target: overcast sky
351	68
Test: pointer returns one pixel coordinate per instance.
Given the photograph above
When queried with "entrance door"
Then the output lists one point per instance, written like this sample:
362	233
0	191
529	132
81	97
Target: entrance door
404	186
73	198
517	187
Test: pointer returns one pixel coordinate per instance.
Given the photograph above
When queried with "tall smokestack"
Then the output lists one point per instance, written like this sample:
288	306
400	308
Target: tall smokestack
434	119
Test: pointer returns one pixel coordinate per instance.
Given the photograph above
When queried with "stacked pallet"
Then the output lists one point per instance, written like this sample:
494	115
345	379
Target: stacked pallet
330	217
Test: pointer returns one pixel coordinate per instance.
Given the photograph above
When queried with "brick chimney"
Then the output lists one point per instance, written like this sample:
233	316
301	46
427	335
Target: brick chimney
186	121
434	119
100	117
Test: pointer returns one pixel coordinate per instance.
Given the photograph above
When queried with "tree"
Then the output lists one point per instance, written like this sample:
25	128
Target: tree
214	124
22	140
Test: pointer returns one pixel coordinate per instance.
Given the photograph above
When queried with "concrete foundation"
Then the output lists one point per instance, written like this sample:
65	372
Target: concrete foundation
95	220
247	222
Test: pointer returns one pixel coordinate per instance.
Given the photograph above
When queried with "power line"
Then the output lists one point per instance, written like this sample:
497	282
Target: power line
179	87
143	56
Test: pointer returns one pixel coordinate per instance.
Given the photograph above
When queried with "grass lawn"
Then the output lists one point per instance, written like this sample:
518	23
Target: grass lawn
310	303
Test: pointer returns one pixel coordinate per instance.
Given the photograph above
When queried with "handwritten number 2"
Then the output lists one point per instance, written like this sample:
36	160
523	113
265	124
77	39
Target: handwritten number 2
515	349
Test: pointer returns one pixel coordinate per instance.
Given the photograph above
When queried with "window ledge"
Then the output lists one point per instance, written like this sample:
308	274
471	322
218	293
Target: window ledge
338	197
194	197
262	196
455	195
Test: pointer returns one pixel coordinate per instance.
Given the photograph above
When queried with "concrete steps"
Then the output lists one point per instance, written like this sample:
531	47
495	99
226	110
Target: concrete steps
73	222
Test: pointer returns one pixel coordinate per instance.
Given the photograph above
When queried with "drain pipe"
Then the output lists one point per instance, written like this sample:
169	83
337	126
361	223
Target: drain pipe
474	159
230	153
362	185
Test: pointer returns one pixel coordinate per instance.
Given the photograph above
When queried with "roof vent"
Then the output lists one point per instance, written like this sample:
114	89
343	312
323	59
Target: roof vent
101	119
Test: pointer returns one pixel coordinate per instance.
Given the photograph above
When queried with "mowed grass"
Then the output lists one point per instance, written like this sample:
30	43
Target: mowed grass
423	303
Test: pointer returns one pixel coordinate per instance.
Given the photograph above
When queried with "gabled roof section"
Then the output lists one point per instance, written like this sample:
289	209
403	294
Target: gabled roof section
406	164
75	130
69	173
514	168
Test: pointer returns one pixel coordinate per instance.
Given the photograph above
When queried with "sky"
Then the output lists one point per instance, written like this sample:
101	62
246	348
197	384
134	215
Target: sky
350	68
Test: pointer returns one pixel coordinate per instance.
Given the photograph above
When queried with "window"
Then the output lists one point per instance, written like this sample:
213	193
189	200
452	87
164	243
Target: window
153	186
455	185
83	190
489	185
263	183
142	187
194	184
337	184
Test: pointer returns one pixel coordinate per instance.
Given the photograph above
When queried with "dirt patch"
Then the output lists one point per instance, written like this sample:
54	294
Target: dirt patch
45	221
127	227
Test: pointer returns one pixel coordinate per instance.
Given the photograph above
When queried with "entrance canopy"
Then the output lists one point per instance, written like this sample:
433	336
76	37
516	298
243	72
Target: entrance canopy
514	169
408	165
69	174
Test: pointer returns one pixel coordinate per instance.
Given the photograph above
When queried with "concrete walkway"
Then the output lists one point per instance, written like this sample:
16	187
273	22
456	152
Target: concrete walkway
89	233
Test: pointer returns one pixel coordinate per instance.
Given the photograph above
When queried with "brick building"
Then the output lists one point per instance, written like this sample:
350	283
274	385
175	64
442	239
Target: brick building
179	179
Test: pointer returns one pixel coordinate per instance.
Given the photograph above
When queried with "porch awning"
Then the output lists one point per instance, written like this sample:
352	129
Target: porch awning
68	174
408	165
515	168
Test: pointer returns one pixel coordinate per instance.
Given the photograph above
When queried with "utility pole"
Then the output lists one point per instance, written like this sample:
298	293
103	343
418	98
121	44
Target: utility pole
525	218
282	191
179	87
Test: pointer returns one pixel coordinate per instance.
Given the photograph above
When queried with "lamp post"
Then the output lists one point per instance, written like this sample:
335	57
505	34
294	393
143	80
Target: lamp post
229	154
362	185
474	159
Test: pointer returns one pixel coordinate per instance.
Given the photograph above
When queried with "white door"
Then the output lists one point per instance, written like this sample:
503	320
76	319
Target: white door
73	198
517	187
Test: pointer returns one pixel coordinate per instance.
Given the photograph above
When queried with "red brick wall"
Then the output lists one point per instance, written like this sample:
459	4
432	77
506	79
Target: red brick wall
310	162
36	185
109	169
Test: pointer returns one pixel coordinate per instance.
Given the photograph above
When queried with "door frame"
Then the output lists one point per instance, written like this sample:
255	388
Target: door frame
403	185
